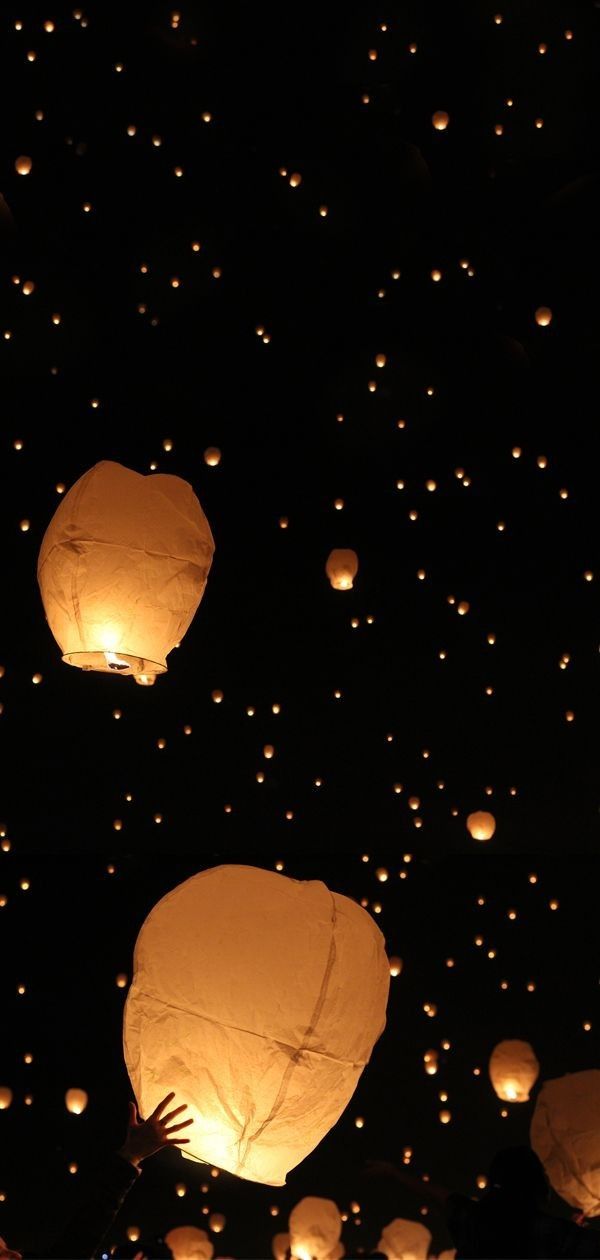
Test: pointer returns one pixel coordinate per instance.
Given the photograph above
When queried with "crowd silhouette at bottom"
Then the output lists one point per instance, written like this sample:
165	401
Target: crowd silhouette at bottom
508	1222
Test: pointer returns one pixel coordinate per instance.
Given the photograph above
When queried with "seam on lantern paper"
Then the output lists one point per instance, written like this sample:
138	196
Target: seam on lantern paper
248	1032
99	542
285	1082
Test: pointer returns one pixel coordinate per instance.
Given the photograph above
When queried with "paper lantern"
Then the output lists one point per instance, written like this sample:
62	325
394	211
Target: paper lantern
23	165
565	1134
396	965
76	1101
405	1240
315	1227
188	1243
216	1222
513	1070
341	569
481	825
6	1097
280	1246
258	999
212	456
145	680
440	120
122	568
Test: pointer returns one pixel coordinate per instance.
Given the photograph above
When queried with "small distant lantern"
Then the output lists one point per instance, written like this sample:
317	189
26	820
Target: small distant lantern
565	1134
315	1226
122	569
513	1070
23	165
76	1101
189	1243
265	1066
396	965
216	1222
341	569
440	120
481	825
543	316
405	1240
212	456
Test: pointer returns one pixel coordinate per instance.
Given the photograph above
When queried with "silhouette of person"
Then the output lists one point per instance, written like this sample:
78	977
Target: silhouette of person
106	1192
508	1221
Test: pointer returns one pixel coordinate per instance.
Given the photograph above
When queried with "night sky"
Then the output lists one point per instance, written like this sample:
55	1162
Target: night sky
243	230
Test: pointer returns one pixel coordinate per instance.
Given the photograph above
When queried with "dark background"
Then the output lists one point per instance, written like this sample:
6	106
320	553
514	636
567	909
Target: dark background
285	91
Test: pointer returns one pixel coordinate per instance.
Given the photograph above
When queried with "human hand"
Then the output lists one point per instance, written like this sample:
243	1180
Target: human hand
6	1253
146	1137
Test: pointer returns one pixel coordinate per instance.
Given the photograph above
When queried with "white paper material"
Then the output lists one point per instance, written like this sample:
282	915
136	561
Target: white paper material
565	1133
189	1243
315	1226
258	999
122	568
405	1240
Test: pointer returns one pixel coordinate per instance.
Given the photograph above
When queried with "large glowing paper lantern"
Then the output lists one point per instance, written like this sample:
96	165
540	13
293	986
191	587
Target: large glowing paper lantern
565	1133
513	1070
405	1240
122	568
258	999
481	825
189	1243
315	1227
341	569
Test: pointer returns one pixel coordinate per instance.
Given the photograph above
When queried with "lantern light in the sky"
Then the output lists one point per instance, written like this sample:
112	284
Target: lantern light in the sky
396	965
341	569
216	1222
440	120
6	1097
404	1240
565	1134
145	680
481	825
122	568
76	1101
265	1066
543	316
212	456
23	165
280	1246
189	1243
315	1226
513	1070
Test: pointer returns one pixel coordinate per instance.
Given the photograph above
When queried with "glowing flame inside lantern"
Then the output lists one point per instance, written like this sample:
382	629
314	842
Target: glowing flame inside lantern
115	662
